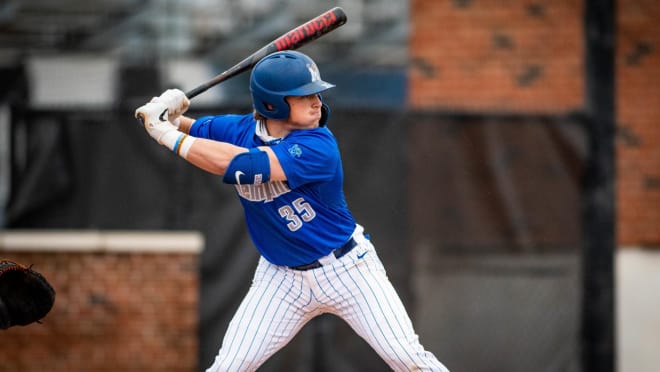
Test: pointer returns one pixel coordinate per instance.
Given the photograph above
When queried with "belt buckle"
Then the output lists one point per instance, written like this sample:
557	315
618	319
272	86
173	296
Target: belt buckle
313	265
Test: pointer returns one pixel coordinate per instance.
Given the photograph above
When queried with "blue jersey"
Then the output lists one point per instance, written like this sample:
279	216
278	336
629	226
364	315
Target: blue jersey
297	221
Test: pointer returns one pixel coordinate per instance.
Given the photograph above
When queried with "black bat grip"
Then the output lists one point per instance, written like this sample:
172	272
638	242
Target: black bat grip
198	90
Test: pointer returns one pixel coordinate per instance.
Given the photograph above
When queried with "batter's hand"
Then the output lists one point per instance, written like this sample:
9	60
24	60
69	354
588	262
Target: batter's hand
154	117
176	101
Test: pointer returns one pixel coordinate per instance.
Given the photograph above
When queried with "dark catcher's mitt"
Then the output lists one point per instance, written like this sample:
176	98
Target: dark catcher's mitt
25	295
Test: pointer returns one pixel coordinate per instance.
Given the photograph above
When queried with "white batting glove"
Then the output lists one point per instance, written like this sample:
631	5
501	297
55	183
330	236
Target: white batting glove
153	116
177	103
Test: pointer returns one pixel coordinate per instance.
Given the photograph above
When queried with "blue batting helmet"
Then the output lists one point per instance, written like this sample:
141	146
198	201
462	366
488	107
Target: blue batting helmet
283	74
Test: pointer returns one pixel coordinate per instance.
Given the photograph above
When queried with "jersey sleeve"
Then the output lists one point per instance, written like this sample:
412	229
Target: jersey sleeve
308	156
225	128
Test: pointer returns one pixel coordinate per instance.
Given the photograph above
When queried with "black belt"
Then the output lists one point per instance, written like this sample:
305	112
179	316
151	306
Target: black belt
339	252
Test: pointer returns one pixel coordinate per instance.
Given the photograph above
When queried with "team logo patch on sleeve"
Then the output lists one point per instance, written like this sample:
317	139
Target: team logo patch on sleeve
295	151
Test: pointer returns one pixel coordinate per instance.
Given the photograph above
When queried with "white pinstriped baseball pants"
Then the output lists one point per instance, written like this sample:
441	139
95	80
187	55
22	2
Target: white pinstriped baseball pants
354	287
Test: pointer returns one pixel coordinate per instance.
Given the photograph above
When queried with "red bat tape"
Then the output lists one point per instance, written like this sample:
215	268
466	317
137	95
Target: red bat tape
311	30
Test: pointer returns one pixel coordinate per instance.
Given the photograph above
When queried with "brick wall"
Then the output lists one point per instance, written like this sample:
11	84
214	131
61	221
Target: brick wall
527	57
511	56
638	119
115	310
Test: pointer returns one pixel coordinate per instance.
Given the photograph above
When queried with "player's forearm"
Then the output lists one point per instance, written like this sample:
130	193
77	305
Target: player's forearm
185	123
212	156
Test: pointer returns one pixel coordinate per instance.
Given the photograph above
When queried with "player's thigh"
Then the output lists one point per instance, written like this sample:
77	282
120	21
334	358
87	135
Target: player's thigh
375	311
266	320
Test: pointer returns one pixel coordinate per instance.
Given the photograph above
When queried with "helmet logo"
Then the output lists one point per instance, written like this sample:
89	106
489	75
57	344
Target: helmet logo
314	71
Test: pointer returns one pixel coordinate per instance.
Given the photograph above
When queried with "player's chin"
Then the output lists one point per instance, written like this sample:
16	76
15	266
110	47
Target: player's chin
312	121
316	117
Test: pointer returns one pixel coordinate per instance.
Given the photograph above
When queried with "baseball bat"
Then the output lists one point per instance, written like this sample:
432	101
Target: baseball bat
297	37
293	39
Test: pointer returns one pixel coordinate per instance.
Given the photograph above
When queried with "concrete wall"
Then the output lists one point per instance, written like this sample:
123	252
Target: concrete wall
638	309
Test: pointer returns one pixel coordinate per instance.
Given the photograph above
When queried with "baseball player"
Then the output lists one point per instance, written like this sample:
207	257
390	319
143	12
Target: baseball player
285	165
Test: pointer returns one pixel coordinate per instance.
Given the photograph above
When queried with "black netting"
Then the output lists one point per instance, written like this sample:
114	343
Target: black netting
477	219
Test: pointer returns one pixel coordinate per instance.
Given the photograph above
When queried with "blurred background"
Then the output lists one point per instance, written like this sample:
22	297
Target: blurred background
503	156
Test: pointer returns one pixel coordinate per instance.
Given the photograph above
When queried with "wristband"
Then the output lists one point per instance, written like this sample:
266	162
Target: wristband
170	138
183	145
178	142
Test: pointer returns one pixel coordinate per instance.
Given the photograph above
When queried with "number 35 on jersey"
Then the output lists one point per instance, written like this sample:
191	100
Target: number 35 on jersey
297	213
